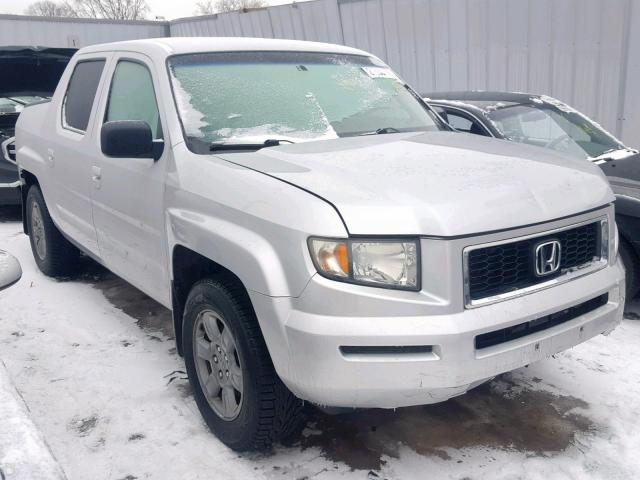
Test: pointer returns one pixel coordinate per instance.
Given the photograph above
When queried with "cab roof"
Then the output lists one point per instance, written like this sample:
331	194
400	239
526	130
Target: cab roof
182	45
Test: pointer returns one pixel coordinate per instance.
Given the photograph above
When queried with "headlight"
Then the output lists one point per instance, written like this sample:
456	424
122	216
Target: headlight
376	262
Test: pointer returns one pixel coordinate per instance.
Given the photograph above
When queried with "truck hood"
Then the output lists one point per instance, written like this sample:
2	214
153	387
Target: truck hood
32	70
440	184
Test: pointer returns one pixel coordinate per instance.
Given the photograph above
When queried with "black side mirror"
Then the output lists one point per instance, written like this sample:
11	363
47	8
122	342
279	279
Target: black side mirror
129	139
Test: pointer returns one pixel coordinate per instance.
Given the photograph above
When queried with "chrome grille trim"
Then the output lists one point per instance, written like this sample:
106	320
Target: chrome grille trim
569	275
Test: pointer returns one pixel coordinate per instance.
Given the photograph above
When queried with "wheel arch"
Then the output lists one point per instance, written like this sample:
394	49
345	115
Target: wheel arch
28	180
187	268
628	222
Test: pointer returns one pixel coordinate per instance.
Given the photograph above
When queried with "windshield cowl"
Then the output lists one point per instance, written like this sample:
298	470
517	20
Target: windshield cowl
246	146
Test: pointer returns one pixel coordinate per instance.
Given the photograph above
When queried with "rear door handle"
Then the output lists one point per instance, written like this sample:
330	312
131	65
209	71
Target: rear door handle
96	176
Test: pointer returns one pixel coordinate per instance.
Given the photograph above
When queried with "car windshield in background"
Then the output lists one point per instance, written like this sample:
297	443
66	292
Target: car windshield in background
243	97
559	129
16	104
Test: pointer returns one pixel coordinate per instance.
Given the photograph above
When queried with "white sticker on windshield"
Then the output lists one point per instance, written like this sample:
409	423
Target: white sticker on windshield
380	72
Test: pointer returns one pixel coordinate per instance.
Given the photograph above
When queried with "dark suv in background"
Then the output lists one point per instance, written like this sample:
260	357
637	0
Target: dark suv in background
29	75
549	123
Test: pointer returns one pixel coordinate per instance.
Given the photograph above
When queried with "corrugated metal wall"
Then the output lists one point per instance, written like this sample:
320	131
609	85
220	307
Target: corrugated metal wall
316	21
585	52
629	93
65	32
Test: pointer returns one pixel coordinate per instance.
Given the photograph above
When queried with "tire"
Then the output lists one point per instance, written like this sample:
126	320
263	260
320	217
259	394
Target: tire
632	267
54	254
265	411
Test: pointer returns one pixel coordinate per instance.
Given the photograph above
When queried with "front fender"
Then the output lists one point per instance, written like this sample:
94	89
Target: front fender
254	225
254	259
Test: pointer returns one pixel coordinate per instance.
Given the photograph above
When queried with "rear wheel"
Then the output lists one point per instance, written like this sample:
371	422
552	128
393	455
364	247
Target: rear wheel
632	266
236	388
54	254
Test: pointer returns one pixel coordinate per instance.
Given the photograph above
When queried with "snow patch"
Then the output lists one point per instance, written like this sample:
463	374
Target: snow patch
192	119
24	455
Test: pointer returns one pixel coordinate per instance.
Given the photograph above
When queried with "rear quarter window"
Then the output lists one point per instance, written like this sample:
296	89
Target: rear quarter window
81	93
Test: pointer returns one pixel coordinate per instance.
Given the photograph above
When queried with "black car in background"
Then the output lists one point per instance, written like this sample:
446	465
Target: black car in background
27	75
549	123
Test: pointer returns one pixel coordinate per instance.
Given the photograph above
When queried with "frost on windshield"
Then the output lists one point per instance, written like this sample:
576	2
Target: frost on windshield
313	97
192	119
249	103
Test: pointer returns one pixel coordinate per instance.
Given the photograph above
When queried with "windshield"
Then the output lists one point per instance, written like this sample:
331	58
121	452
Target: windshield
16	104
561	129
296	96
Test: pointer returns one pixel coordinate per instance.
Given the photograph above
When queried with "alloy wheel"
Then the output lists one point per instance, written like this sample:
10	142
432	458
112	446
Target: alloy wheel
37	231
218	364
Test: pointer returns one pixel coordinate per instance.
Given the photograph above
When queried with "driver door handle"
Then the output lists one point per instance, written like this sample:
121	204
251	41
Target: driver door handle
96	176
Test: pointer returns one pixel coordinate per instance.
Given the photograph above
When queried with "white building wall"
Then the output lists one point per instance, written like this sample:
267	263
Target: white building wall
629	107
66	32
314	21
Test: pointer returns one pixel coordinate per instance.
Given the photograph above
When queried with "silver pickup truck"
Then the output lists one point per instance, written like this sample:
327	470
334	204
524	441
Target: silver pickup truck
317	231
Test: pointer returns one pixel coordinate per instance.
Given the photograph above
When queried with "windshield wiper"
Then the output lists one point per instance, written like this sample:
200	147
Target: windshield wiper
381	131
270	142
19	102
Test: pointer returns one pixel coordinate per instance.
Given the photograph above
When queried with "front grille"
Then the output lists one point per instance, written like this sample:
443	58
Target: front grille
522	330
507	267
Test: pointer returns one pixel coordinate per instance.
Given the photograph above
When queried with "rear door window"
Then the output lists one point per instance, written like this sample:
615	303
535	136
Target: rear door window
81	94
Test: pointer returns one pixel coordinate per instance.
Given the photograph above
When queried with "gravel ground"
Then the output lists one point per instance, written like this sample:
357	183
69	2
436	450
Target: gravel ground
95	362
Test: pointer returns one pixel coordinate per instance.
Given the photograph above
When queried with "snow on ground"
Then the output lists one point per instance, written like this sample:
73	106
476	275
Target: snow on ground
23	452
94	361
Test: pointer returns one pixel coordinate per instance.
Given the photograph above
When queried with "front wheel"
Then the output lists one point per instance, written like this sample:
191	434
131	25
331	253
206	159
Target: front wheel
54	254
236	388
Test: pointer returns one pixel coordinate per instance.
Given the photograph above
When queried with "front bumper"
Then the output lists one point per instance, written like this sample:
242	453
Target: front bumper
305	336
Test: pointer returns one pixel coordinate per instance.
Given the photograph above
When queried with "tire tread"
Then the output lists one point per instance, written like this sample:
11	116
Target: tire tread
62	257
280	414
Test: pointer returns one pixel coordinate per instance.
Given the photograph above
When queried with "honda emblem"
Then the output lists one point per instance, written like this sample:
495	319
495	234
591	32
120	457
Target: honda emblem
547	257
